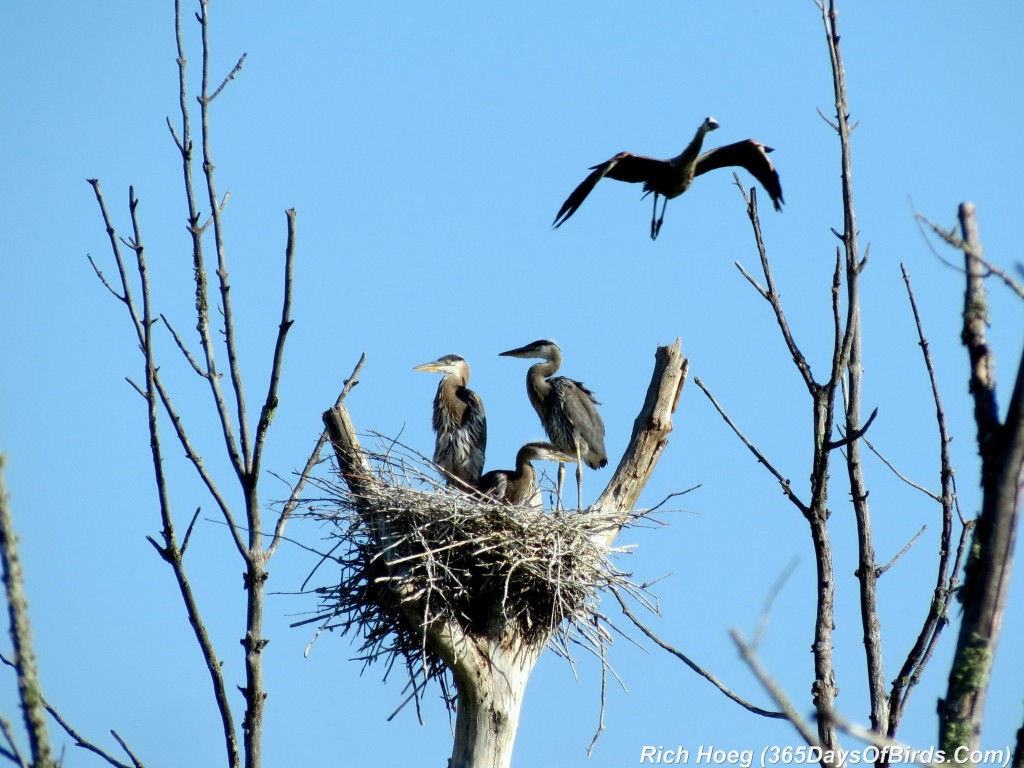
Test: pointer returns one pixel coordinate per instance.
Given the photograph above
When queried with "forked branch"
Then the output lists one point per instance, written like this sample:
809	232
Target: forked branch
1001	446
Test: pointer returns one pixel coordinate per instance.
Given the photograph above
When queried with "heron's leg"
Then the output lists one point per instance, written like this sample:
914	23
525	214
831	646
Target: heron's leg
657	228
579	479
654	216
561	479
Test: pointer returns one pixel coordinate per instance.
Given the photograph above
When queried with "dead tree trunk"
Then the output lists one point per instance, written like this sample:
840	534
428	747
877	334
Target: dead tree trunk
491	664
987	576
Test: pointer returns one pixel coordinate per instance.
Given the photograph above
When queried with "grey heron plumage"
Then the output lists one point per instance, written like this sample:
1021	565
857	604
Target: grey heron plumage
670	178
519	485
460	425
566	408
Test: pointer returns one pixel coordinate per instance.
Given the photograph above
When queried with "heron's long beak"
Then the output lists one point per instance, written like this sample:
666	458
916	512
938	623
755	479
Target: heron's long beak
434	367
558	456
517	352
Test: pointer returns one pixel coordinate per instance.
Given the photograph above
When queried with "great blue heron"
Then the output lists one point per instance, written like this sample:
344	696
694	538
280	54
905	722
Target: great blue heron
459	423
566	410
670	178
519	485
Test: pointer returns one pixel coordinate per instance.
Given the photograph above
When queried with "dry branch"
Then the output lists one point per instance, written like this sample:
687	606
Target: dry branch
945	580
987	577
30	692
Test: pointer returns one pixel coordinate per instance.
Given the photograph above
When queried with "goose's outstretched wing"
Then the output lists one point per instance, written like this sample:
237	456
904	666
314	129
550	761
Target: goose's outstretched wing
625	166
748	154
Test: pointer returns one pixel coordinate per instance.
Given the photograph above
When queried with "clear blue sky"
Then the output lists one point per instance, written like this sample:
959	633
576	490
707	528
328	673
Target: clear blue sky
427	147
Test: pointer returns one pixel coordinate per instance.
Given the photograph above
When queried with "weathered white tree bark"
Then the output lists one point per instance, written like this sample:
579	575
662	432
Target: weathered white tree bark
491	669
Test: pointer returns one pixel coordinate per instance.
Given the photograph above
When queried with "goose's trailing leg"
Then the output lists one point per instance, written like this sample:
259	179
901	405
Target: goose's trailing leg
654	217
656	227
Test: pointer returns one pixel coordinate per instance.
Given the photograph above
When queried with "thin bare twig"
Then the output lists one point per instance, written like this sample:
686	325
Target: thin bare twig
131	755
773	593
945	580
230	76
892	468
603	650
188	531
771	294
951	238
788	711
911	756
787	488
692	664
853	436
184	350
13	754
906	548
67	728
314	458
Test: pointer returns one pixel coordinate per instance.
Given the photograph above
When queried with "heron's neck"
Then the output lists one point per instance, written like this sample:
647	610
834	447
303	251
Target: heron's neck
525	477
689	155
536	377
523	461
448	404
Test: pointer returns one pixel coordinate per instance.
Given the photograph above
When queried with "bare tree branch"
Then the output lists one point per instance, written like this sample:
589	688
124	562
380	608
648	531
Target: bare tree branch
202	304
13	754
270	404
30	692
1001	446
69	730
648	439
314	457
906	548
241	452
892	468
155	395
778	695
938	606
877	739
866	570
184	350
692	664
771	294
787	488
230	76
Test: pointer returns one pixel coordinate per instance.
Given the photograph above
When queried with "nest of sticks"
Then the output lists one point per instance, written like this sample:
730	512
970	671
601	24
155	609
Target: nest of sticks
415	556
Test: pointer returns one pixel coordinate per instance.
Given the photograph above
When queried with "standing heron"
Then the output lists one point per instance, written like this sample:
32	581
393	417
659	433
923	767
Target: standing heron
519	485
670	178
566	410
459	423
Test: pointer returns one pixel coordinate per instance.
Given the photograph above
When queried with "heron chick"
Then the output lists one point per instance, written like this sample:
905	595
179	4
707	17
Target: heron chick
519	485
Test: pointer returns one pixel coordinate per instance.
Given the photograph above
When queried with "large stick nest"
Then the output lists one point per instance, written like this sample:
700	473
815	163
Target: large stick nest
415	556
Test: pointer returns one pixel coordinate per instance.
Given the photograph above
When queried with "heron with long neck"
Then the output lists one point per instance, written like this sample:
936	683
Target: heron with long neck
460	426
670	178
519	485
567	411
